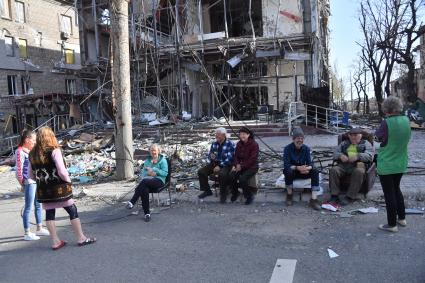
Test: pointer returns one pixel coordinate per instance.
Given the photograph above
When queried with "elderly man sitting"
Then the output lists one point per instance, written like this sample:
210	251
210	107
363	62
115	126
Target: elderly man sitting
220	160
297	164
351	155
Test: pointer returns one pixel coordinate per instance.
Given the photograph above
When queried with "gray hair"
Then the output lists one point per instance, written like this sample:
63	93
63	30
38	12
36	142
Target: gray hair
155	145
392	105
221	130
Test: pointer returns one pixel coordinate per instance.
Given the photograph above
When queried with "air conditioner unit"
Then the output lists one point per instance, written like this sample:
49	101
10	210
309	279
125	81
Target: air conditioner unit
64	35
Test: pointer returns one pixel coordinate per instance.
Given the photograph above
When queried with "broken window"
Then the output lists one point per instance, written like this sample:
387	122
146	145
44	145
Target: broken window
66	24
11	84
69	56
70	87
238	18
8	41
25	84
20	12
5	8
23	52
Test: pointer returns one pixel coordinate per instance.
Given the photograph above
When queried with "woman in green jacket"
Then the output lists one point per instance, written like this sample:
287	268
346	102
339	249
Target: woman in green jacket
153	175
394	135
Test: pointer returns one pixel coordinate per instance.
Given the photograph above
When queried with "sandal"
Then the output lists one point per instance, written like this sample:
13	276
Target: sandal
87	241
61	245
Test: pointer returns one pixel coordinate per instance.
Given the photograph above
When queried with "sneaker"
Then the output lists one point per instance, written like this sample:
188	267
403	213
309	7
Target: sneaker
31	237
42	232
249	200
205	194
388	228
314	203
147	217
402	222
129	205
234	197
289	200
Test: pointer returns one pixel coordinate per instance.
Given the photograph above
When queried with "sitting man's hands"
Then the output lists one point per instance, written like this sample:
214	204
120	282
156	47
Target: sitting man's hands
353	159
216	169
236	168
304	169
344	158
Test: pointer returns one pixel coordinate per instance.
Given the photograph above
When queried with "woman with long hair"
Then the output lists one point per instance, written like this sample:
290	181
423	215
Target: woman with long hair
29	186
54	186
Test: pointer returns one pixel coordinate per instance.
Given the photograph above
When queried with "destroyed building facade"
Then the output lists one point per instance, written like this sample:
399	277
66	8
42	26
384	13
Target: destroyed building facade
213	58
39	62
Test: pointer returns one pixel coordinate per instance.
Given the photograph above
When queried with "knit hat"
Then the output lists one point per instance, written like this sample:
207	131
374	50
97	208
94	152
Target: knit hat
355	131
246	130
297	132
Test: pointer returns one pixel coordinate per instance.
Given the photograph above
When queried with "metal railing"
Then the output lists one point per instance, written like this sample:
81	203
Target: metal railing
56	123
321	117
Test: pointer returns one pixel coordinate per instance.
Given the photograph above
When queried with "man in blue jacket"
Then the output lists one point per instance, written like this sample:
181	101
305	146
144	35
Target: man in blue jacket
297	164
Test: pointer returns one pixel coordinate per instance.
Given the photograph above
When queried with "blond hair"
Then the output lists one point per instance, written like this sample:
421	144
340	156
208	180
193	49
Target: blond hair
46	141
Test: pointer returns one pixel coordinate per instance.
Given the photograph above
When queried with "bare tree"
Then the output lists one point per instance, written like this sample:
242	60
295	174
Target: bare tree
378	20
407	32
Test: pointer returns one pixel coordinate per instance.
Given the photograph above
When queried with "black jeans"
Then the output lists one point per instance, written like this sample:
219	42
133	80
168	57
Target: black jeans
394	199
223	178
146	186
71	210
243	176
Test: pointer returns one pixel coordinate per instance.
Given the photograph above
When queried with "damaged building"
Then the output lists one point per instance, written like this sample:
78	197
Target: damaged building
213	58
39	64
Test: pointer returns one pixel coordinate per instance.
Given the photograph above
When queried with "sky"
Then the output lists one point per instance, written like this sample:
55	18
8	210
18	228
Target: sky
345	31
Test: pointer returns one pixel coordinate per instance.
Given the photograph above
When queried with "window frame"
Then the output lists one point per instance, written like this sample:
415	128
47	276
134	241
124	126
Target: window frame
65	56
12	84
17	19
62	27
12	45
71	86
6	9
20	48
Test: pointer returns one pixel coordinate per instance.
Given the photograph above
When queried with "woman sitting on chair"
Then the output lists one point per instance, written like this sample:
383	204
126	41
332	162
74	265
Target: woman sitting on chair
153	175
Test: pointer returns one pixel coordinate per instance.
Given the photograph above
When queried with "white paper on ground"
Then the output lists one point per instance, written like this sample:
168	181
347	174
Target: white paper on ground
368	210
332	254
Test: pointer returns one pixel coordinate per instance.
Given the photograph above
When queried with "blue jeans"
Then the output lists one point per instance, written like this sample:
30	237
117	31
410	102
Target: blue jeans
30	199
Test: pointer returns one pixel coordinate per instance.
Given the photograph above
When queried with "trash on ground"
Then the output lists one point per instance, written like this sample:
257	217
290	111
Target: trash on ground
331	206
332	254
413	211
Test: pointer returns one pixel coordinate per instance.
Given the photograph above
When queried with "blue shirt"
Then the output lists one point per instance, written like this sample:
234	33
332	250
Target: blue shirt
293	156
223	152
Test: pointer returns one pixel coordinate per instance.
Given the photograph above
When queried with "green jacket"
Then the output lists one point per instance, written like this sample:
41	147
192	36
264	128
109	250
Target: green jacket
392	158
160	168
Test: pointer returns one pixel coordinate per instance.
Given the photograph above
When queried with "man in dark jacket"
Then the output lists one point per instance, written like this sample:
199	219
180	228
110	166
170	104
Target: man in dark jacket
220	160
245	164
351	155
297	164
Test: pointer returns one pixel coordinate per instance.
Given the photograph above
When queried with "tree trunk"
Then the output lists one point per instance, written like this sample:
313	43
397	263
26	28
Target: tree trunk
121	88
410	84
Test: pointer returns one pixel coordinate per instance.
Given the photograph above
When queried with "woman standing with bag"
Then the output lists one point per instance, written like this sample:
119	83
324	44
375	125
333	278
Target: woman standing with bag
54	186
26	143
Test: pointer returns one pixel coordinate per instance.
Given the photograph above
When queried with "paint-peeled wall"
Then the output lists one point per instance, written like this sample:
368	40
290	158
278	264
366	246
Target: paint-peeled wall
282	18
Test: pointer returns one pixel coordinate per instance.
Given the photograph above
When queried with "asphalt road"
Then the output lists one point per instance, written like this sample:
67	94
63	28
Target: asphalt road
210	242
